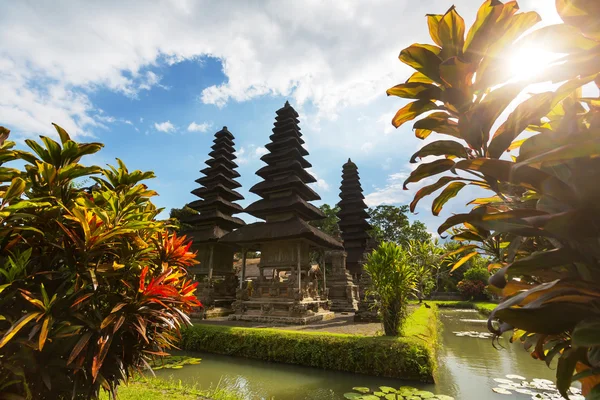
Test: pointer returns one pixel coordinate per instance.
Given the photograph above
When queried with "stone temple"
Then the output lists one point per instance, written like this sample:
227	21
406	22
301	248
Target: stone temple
291	292
214	219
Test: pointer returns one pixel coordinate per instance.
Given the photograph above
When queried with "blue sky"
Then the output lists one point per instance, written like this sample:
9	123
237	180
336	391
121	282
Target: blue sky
155	80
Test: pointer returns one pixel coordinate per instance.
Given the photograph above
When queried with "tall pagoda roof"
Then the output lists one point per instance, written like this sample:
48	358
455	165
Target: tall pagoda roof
215	206
284	188
284	191
353	215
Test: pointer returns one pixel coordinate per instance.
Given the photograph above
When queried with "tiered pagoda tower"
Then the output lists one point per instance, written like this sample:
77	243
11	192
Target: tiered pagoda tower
285	290
214	220
353	217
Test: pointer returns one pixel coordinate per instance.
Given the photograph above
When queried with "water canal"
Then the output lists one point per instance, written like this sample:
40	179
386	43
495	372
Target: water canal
467	367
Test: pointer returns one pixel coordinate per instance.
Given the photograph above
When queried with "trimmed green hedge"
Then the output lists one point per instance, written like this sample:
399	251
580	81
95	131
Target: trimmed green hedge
408	357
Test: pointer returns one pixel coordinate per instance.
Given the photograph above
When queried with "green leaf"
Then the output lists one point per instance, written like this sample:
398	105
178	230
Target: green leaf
64	136
561	38
17	326
456	73
15	190
480	35
565	368
451	32
440	148
433	21
439	122
413	110
429	169
578	149
418	77
449	192
54	150
416	90
586	333
482	117
427	190
463	260
361	389
528	177
423	58
543	260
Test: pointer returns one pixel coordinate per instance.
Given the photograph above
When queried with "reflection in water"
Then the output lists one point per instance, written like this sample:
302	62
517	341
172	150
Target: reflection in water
467	367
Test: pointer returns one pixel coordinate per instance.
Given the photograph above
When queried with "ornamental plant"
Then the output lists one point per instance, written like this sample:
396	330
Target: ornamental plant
542	219
92	286
393	282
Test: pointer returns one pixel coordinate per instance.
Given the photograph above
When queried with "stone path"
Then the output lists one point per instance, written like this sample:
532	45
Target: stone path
342	323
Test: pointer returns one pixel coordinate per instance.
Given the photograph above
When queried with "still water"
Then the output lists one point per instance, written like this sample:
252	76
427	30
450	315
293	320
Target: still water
467	367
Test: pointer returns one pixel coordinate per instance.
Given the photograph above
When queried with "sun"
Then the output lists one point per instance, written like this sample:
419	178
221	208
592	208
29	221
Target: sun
527	63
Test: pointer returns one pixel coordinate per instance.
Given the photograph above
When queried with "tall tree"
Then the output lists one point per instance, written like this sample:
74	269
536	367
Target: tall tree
329	225
390	224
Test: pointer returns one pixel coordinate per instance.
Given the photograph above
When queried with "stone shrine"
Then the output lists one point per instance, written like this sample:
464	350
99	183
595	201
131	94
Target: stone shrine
215	208
291	292
343	293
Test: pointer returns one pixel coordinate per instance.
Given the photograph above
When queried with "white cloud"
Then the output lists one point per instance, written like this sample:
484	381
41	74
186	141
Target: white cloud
366	147
260	151
166	127
332	54
391	193
320	183
241	159
201	127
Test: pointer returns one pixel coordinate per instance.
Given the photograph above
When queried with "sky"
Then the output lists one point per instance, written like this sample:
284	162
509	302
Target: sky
154	80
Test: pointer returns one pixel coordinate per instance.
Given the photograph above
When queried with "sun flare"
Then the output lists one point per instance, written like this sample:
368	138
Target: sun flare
527	63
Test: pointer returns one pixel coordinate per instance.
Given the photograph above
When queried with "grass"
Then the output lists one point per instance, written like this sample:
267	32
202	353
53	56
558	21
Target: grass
483	307
411	356
157	389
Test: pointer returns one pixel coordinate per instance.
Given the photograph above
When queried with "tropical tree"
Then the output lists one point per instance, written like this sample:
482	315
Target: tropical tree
544	210
329	225
425	258
391	224
393	282
92	286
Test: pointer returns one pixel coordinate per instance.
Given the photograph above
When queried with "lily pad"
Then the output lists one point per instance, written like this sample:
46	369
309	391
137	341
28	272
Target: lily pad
361	389
387	389
502	380
443	397
379	394
352	396
424	394
519	377
392	396
369	397
501	390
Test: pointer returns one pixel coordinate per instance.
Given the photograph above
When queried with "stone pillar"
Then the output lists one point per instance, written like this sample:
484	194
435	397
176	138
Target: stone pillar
367	306
343	293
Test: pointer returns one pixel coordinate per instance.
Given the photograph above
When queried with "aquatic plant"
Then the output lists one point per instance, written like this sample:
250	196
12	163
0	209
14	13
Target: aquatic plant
536	388
544	212
92	286
390	393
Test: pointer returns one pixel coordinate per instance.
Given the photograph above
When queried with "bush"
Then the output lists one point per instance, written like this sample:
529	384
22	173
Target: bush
92	287
539	223
477	274
411	357
393	281
471	290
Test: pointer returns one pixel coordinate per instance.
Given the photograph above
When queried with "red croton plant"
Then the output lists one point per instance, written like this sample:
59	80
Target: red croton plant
542	223
92	286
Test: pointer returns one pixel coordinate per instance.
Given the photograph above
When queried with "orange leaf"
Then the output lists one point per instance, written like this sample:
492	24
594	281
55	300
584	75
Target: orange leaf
17	326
